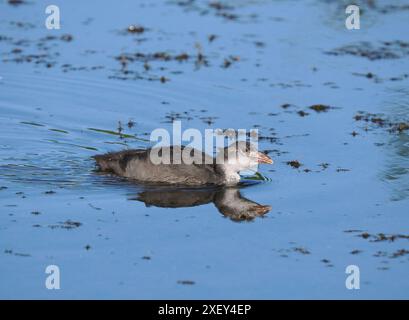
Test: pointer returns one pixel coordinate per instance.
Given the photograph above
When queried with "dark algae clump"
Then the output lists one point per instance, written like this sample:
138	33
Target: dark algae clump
380	51
294	163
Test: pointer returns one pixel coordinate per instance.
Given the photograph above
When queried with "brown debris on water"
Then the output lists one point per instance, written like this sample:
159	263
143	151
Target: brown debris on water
211	37
164	79
324	165
377	79
131	123
382	121
228	61
16	2
43	51
135	29
208	120
352	231
223	9
399	253
286	105
186	282
68	225
66	37
201	59
319	107
17	254
379	237
182	57
219	5
294	163
302	113
126	59
327	263
379	51
302	250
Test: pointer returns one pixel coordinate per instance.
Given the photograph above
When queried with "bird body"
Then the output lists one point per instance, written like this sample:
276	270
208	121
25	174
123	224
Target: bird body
140	165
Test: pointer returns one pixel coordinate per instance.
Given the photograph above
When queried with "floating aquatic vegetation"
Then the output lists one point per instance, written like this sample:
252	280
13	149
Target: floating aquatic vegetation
71	144
68	225
320	107
31	123
117	133
384	50
294	163
382	121
59	130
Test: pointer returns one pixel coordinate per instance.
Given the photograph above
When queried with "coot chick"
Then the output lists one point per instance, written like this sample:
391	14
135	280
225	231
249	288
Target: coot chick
198	169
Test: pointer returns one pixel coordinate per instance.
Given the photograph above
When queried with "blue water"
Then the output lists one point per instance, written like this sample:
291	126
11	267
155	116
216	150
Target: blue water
54	93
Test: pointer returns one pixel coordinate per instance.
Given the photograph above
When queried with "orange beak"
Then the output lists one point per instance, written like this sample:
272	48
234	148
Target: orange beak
261	209
263	158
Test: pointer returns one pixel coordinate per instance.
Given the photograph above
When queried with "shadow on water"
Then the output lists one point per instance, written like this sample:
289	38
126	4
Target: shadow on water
228	201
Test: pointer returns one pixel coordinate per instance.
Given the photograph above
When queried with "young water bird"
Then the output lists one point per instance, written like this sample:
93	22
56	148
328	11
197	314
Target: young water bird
198	169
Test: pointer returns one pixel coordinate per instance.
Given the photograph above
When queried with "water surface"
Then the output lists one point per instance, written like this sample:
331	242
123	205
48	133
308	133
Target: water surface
251	64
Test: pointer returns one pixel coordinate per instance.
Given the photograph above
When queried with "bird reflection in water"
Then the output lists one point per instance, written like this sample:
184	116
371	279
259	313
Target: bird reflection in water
228	201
